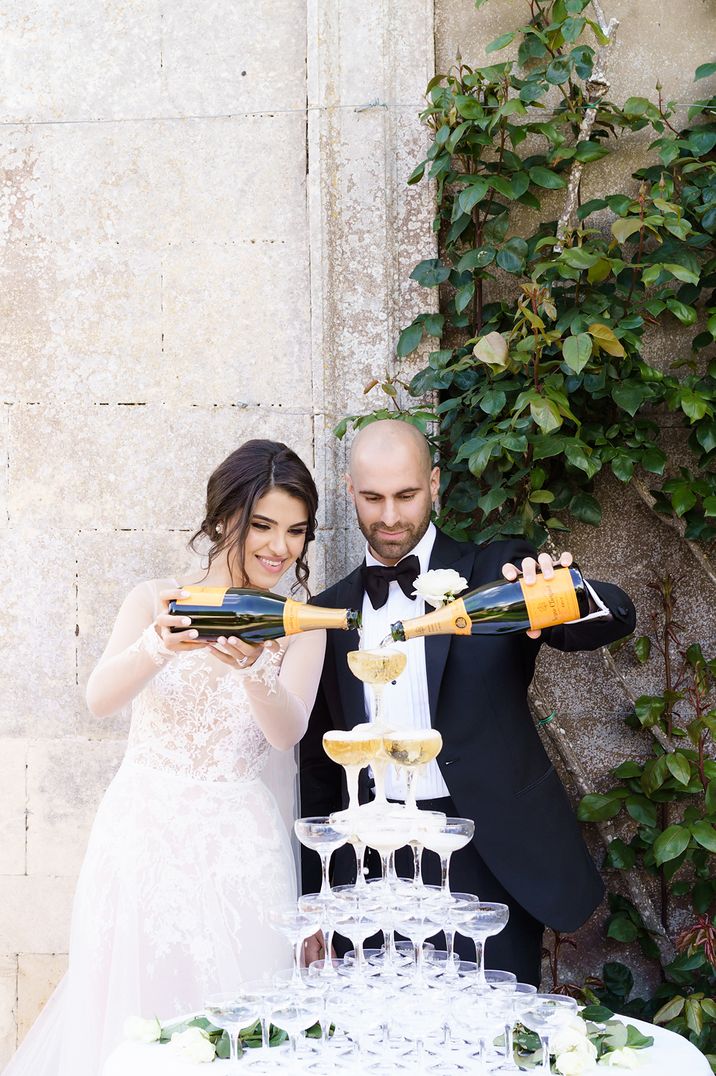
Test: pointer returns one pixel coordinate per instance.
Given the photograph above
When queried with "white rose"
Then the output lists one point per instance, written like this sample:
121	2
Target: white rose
438	586
141	1030
193	1045
580	1057
626	1057
567	1038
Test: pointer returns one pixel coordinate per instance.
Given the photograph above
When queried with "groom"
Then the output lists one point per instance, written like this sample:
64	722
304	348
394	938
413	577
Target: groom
527	850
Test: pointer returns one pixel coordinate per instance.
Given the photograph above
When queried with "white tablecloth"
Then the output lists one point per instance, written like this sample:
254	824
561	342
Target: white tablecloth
671	1055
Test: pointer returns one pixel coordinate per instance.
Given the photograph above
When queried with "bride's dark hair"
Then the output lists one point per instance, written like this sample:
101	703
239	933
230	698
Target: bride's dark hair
236	486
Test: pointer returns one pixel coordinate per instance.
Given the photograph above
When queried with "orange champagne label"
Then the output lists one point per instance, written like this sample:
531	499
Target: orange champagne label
212	596
299	617
452	619
551	601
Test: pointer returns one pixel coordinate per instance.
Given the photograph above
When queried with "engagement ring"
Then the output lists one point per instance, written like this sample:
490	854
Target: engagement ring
242	662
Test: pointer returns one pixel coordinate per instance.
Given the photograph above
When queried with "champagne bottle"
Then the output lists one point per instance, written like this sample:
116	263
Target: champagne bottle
254	615
503	606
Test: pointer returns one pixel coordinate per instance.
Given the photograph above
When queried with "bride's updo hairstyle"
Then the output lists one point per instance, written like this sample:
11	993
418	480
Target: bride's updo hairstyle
235	488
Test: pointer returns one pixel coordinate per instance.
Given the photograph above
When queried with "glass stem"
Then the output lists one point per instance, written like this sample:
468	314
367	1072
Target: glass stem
445	872
325	881
417	863
545	1040
297	962
509	1042
359	850
234	1046
410	801
265	1033
450	946
479	959
328	933
352	773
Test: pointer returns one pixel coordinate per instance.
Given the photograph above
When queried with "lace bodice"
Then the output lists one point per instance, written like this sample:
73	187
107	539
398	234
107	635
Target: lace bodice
195	721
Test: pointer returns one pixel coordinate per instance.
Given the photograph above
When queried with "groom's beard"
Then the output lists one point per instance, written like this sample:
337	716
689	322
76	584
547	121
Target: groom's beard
393	550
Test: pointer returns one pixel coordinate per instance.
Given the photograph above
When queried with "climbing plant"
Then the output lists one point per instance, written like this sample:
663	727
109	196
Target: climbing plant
537	335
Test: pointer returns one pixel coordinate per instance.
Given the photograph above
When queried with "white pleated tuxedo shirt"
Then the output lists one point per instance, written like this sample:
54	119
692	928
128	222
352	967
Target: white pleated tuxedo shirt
405	700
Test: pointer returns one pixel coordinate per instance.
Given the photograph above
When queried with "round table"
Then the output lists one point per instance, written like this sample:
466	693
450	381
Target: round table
671	1055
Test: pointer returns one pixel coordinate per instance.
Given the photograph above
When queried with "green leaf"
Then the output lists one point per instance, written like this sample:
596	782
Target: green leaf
642	648
694	1015
409	339
636	1040
501	42
681	272
596	807
463	296
584	507
622	229
704	71
653	460
670	844
470	196
606	339
511	257
679	767
692	404
476	259
623	467
543	177
546	414
492	350
577	351
627	770
557	72
468	107
683	500
579	258
630	396
705	834
494	498
642	810
591	207
649	709
711	796
673	1008
622	929
620	856
541	496
492	402
430	273
590	151
685	314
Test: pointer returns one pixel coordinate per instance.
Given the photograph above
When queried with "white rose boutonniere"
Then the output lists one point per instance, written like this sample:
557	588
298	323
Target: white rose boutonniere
142	1030
193	1045
439	586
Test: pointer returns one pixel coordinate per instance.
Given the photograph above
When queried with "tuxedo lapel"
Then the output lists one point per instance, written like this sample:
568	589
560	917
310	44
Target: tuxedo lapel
446	553
350	687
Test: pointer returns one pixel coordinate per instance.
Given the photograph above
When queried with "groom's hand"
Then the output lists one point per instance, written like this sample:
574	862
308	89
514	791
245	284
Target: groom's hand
528	570
313	949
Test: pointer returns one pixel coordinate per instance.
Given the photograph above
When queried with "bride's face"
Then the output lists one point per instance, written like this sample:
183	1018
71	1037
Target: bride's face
275	539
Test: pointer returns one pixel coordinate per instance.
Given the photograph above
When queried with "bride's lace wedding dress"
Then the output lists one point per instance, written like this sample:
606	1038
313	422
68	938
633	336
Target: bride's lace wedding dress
187	856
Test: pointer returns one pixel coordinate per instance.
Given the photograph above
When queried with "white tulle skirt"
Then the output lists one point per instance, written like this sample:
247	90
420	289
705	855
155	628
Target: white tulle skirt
172	903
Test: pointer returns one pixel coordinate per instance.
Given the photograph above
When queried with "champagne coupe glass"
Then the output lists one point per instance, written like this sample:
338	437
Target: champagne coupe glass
518	996
545	1014
232	1013
455	834
262	994
418	923
378	668
411	749
460	909
322	837
481	1017
296	925
486	920
352	749
295	1015
320	906
385	835
421	820
358	922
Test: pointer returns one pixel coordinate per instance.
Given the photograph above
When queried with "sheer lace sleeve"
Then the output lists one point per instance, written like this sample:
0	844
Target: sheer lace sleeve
282	692
133	655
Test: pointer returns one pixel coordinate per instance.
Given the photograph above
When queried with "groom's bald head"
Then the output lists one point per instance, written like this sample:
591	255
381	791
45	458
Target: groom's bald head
393	483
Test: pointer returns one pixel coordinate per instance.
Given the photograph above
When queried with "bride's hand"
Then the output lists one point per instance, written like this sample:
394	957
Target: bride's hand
236	652
178	641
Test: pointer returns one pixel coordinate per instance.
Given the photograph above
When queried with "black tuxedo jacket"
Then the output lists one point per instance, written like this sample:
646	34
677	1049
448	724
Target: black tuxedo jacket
492	760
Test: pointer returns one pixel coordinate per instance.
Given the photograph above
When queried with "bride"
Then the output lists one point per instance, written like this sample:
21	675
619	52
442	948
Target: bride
188	852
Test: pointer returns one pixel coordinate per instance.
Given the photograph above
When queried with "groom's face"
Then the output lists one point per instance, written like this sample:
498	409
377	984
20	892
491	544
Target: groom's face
393	494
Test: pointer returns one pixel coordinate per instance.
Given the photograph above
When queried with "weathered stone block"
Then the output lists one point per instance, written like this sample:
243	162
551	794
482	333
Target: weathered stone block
65	782
37	644
38	975
36	913
13	797
100	466
8	1007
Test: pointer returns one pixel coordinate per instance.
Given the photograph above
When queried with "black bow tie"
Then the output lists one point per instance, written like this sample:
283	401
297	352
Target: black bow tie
378	577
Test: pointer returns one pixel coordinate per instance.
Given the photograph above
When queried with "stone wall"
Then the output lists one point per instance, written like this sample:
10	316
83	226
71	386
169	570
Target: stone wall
206	237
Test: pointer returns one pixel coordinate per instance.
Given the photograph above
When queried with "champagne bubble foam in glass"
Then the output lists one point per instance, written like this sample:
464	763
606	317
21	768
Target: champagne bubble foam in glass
378	668
411	749
353	749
